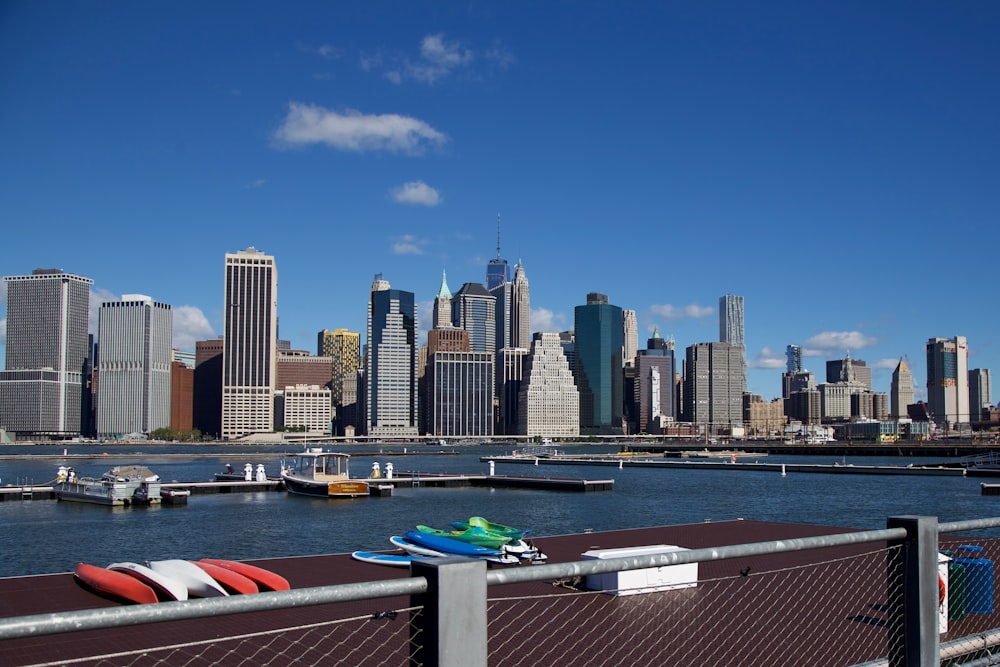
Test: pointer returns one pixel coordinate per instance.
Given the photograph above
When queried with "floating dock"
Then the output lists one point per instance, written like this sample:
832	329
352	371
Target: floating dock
674	464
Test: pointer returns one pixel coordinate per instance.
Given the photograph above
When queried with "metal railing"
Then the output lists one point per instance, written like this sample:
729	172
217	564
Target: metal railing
744	619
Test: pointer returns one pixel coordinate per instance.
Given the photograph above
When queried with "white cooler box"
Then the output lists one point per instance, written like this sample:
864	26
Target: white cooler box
646	580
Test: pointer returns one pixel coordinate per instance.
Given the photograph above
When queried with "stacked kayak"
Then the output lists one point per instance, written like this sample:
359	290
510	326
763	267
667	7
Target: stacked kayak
176	579
476	538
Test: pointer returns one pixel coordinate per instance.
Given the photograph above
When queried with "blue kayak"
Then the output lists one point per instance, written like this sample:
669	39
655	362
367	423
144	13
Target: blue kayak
450	546
394	560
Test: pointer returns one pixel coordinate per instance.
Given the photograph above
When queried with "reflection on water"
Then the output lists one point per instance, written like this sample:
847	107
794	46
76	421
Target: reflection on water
47	536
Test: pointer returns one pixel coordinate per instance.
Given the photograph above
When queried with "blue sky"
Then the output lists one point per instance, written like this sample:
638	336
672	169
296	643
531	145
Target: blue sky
835	163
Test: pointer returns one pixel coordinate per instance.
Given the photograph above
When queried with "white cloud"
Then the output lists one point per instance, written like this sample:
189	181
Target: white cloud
544	320
190	326
97	297
354	131
408	245
416	192
676	312
836	342
439	59
256	183
889	363
768	358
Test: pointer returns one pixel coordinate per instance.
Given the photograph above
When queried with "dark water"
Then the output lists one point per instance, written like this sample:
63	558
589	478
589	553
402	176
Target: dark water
43	536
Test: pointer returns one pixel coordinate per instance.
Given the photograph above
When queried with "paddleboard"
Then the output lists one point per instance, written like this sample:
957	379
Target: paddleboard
165	587
116	585
394	560
265	579
410	547
198	582
231	580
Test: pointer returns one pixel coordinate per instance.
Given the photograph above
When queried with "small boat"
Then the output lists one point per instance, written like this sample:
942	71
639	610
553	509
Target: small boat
198	582
116	585
322	474
231	580
450	546
118	487
165	587
394	560
498	528
471	535
265	579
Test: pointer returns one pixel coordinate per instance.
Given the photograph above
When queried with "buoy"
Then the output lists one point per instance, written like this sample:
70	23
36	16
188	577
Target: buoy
782	469
620	465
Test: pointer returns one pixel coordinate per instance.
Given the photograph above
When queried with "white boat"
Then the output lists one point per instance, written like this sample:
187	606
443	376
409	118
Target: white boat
198	582
322	474
120	486
165	586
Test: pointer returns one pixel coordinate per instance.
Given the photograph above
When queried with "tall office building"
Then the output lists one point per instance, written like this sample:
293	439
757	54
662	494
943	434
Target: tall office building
207	411
600	334
250	325
496	270
41	388
980	393
549	402
731	329
391	362
474	309
343	347
520	309
849	370
441	316
948	380
135	336
793	359
654	385
460	393
513	311
900	390
631	337
713	394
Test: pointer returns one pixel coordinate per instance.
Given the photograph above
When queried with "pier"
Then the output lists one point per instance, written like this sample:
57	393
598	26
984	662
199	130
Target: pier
674	464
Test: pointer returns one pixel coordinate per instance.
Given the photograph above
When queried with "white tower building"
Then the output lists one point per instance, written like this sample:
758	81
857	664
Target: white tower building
133	369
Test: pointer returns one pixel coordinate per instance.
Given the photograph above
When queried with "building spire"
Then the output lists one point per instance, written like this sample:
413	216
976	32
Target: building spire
444	292
498	234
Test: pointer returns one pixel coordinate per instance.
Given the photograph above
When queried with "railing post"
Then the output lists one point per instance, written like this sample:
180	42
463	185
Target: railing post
450	631
913	593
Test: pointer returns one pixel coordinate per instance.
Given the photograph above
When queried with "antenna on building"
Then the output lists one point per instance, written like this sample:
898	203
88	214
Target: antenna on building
498	234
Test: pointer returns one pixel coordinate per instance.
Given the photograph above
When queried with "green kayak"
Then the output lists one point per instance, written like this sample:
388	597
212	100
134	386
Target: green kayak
472	535
495	528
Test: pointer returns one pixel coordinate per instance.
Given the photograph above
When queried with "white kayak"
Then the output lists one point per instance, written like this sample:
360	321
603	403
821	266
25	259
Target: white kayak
421	550
166	587
198	582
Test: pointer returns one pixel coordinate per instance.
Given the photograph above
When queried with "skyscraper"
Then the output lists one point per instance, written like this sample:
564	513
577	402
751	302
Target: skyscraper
250	325
442	305
980	392
600	333
513	339
135	336
654	387
793	359
41	387
344	349
731	329
520	309
392	362
549	402
496	270
712	391
460	392
474	309
900	390
948	380
631	336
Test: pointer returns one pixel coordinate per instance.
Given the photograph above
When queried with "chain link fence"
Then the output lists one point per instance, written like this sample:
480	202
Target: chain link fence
862	608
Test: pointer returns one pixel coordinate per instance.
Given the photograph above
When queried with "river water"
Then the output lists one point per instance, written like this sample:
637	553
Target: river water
44	536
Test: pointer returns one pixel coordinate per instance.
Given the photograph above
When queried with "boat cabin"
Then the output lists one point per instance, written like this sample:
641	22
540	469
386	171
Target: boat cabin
322	466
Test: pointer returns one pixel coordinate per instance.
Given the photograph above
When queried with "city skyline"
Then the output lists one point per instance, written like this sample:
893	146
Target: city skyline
831	155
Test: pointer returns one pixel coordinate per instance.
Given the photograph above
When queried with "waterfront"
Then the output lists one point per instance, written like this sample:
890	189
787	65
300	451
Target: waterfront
44	536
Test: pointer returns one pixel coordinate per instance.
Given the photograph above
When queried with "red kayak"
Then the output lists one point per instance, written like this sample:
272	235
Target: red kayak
117	585
265	579
231	580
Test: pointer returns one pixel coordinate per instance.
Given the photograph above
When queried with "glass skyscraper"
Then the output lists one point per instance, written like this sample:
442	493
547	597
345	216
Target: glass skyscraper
392	358
600	342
